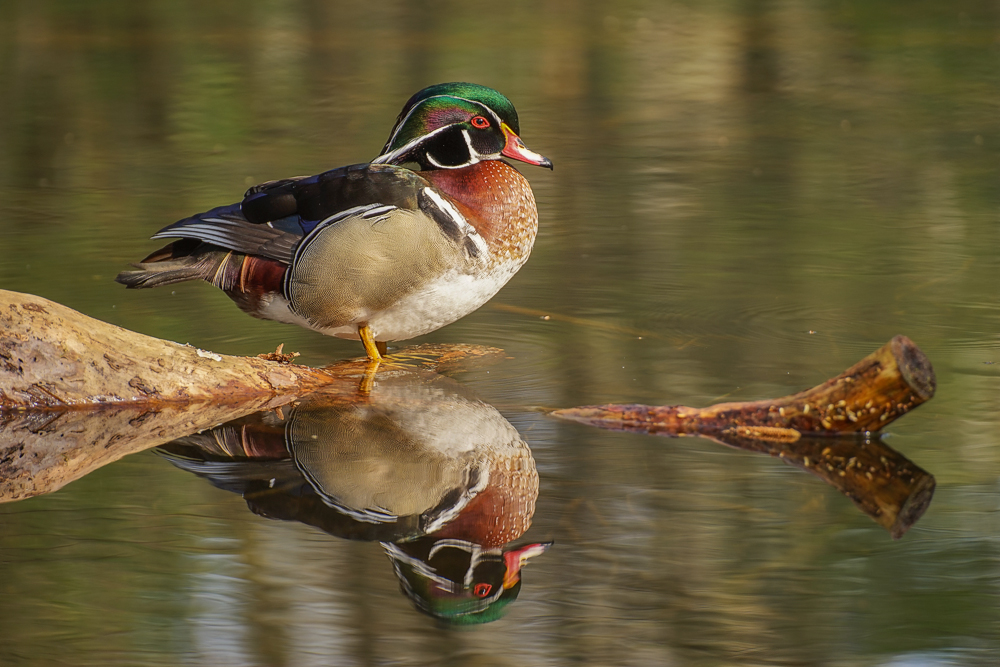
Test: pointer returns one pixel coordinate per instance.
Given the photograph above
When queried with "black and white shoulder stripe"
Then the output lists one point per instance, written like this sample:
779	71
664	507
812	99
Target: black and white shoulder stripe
452	223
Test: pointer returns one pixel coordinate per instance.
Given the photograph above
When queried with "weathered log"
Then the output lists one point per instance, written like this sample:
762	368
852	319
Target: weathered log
77	393
866	397
863	399
52	357
43	450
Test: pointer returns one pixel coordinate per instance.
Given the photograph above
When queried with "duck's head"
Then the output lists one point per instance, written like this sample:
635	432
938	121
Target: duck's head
454	125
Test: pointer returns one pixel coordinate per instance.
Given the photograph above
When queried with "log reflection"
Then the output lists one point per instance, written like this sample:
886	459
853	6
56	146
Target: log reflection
883	483
45	447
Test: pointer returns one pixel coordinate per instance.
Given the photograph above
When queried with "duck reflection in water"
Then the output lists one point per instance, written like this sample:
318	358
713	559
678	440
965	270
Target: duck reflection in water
440	478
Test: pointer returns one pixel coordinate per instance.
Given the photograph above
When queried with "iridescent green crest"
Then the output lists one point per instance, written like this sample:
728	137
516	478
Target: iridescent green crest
447	104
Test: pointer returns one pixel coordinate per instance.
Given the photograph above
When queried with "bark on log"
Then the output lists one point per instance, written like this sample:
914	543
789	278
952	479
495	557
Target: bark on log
52	357
865	398
77	394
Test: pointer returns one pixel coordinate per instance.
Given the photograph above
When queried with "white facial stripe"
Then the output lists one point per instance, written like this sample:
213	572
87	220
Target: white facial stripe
473	153
402	150
417	564
383	159
490	111
409	113
462	545
473	159
430	158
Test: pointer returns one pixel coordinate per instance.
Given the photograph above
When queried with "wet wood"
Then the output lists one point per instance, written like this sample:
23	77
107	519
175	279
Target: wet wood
77	394
53	357
43	450
865	398
884	484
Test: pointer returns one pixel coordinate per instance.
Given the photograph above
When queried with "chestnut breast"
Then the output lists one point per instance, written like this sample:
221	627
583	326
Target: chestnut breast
497	200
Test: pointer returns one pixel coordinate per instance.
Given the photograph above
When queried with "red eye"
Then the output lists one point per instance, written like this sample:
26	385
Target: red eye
480	122
481	590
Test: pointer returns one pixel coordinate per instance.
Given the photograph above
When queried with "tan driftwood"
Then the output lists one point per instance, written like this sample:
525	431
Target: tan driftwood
52	357
866	397
77	393
43	450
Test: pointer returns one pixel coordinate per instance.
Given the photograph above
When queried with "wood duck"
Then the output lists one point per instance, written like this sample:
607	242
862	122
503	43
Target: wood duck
375	251
440	478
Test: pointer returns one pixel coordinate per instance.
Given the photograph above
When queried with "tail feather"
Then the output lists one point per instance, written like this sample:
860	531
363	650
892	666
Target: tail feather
155	274
246	280
207	266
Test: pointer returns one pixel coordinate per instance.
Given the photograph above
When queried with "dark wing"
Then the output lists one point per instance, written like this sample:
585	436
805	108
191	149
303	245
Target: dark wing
273	200
273	488
318	198
274	217
226	227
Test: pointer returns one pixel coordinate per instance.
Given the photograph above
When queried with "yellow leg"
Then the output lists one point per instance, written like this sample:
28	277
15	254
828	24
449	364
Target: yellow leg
375	350
368	379
372	347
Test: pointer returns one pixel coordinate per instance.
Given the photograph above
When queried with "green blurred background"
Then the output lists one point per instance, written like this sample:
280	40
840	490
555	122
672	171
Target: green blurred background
747	198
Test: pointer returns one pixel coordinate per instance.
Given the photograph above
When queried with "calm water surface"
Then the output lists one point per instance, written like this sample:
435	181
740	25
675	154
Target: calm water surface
748	197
